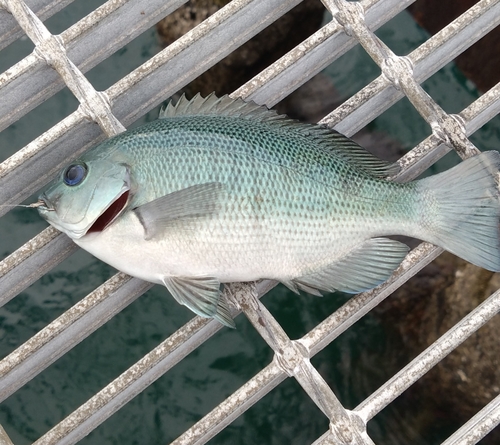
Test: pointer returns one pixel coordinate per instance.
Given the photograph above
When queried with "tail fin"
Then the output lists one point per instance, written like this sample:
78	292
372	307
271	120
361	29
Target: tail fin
463	210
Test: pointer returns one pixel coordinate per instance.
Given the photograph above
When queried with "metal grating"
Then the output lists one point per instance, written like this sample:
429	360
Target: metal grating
60	60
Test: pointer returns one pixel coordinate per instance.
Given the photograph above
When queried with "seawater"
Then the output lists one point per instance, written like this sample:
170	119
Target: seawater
354	365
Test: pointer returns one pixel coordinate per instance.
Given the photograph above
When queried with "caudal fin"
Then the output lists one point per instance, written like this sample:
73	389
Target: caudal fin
463	210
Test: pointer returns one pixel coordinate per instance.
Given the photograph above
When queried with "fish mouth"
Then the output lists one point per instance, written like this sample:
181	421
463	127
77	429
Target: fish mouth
43	204
111	213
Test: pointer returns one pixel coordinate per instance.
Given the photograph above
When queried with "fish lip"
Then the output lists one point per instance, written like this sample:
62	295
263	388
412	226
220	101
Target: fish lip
43	204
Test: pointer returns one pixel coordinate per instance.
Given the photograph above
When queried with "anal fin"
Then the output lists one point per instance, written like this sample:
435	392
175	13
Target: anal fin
361	269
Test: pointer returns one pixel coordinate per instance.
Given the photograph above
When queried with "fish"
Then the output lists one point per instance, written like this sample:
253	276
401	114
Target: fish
220	190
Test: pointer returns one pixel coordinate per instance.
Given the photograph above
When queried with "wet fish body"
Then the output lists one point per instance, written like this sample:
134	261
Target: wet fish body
219	190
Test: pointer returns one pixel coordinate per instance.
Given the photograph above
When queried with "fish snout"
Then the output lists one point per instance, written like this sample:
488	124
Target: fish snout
43	204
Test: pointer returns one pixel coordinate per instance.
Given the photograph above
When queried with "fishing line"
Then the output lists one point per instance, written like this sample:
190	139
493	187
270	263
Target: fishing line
32	205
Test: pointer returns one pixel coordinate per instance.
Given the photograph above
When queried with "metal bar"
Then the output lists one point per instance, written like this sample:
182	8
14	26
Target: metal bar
130	383
440	49
231	408
4	438
314	341
291	357
313	55
67	331
318	338
75	134
399	71
477	427
134	380
53	157
10	29
194	53
88	42
144	88
480	424
52	50
359	305
42	158
34	259
431	149
429	358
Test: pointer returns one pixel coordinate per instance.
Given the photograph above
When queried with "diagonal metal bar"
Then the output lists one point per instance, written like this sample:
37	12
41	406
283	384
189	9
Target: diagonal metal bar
10	29
137	93
34	258
313	55
52	50
475	116
4	438
477	427
399	71
440	49
235	405
67	331
353	300
317	339
429	358
130	383
88	42
430	150
292	357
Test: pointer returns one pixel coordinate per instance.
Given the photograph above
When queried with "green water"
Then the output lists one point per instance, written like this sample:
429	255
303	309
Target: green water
355	365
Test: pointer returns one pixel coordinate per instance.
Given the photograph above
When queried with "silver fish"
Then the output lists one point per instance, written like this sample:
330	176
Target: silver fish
219	190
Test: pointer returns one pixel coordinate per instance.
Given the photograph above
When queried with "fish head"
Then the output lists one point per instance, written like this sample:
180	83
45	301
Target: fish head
86	197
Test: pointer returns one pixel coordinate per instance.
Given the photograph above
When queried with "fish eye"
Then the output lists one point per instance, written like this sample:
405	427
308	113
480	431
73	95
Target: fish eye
75	174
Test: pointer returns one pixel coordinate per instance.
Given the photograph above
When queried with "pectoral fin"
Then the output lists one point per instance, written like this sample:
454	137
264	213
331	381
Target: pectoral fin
361	269
191	202
202	295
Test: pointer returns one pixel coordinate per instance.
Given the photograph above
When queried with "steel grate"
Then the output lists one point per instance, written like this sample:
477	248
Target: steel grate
61	60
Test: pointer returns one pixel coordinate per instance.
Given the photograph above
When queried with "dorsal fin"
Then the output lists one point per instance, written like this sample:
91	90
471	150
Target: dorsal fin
223	106
327	138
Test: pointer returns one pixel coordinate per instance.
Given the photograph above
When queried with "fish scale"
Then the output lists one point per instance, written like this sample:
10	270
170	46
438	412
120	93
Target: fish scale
219	190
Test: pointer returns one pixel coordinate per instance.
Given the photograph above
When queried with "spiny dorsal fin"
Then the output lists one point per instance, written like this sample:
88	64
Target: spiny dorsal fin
327	138
223	106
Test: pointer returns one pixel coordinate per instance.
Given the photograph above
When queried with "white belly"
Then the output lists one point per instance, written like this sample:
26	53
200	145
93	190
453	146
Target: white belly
209	253
124	247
